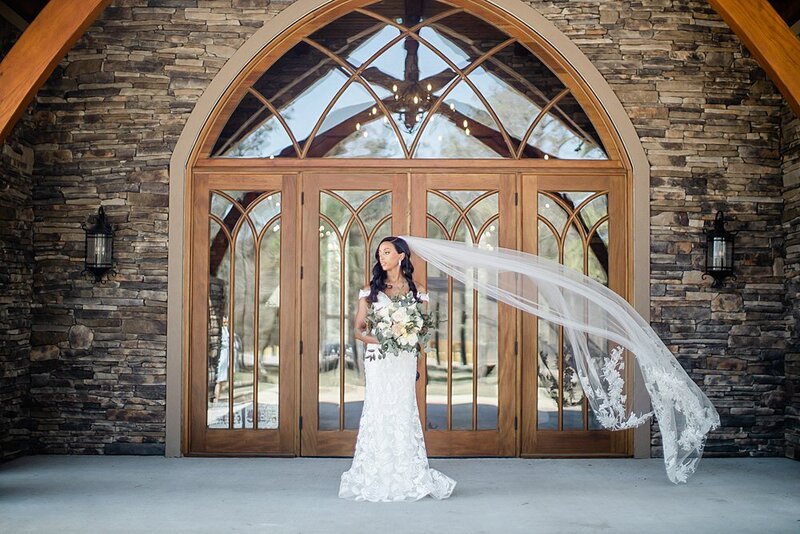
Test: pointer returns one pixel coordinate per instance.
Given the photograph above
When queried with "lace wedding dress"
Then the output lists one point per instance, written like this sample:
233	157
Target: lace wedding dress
390	461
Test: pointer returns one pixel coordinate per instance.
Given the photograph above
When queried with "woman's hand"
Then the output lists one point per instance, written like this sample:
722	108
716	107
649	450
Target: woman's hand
366	338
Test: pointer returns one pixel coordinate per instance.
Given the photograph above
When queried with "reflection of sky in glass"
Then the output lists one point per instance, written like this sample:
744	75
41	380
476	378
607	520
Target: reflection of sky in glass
379	142
443	139
353	101
466	102
515	109
552	137
304	110
268	140
451	50
374	43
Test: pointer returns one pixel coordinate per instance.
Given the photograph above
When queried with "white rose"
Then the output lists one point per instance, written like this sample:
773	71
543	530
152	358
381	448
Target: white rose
400	316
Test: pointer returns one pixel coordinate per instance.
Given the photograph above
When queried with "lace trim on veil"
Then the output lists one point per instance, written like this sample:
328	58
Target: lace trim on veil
598	326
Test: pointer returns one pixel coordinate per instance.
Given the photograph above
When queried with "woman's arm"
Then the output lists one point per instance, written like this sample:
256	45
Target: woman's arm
360	324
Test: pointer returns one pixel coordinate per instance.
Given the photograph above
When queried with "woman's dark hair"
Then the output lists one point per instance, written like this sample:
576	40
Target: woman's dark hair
378	282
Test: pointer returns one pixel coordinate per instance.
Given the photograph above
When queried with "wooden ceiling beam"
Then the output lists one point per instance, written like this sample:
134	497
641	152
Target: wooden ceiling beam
34	57
769	40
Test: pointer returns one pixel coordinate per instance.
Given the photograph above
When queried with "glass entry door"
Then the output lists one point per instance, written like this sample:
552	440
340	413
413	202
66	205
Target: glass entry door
578	221
243	289
466	395
345	216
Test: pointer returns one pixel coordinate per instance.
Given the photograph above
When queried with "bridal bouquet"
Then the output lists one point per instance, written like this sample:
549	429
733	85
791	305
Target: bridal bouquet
401	325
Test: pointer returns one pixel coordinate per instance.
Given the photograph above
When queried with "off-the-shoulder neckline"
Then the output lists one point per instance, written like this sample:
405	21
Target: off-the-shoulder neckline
387	296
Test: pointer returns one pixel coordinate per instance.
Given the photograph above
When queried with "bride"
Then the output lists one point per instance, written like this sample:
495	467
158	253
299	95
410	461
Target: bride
390	461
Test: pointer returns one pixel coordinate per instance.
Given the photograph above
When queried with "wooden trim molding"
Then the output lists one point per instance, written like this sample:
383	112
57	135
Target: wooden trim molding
769	39
35	55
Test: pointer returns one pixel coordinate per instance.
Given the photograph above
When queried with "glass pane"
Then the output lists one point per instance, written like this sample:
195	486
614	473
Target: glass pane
551	211
345	267
243	355
267	139
516	66
220	205
300	85
218	328
355	37
438	351
573	393
565	132
269	316
598	254
249	115
470	359
235	202
354	383
548	243
463	350
341	130
594	210
573	248
267	207
462	37
407	78
443	138
330	255
488	345
481	212
547	416
573	199
373	139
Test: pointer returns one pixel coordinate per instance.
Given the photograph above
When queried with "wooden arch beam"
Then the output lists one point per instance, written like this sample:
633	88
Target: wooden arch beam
769	39
34	57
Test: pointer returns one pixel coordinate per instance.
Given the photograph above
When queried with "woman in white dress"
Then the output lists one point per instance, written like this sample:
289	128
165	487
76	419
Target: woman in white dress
390	461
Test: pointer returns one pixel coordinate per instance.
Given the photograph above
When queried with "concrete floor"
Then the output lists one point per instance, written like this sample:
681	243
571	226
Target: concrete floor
88	494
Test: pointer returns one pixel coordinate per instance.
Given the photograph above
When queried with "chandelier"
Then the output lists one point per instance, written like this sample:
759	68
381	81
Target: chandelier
410	102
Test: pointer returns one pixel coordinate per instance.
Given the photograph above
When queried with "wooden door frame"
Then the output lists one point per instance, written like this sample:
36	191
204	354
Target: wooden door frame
294	183
468	442
566	443
203	441
315	442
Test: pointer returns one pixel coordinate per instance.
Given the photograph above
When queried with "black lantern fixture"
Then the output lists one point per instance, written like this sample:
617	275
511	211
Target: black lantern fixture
719	251
99	245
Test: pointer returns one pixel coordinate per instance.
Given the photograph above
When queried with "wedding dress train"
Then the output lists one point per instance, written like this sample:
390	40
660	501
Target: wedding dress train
391	461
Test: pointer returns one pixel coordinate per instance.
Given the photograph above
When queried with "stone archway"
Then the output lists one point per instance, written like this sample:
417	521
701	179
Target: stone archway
187	144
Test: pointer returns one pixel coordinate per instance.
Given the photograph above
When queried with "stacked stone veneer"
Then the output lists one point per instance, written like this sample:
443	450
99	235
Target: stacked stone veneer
108	119
791	220
16	278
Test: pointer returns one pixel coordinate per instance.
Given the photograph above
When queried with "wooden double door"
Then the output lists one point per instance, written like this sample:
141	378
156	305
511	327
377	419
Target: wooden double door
278	260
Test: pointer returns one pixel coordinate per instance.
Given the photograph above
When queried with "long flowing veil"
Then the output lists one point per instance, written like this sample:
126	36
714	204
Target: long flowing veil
598	326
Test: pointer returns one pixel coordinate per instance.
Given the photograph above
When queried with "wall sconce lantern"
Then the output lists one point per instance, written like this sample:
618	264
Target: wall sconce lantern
99	245
719	251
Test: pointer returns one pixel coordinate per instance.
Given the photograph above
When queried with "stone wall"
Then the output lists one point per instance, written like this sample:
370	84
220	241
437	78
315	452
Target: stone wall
108	119
16	275
790	150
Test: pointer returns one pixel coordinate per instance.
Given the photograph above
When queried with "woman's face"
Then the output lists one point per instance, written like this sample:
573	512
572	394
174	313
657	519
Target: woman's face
388	256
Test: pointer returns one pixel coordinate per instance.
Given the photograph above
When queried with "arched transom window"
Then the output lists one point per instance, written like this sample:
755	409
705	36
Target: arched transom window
401	79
